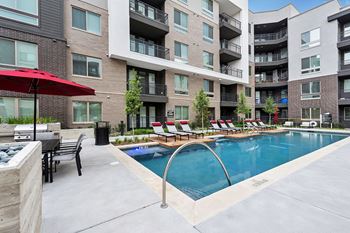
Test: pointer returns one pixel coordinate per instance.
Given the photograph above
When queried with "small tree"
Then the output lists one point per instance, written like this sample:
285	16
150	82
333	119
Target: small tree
133	98
275	117
242	106
269	107
201	106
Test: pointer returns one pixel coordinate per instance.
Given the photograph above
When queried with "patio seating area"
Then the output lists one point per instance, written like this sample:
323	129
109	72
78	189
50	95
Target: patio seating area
110	198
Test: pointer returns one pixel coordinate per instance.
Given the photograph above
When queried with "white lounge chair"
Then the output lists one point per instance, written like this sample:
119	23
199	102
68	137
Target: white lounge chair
172	129
232	126
224	126
186	128
215	126
266	126
288	124
158	130
305	124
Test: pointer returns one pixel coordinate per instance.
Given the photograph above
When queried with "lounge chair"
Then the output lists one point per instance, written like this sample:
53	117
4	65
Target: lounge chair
288	124
305	124
172	129
216	127
224	126
251	126
258	126
232	126
159	131
186	128
266	126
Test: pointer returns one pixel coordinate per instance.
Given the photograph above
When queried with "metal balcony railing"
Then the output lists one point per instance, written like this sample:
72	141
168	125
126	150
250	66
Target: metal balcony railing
147	48
153	89
228	97
148	11
282	77
343	36
225	18
266	58
225	44
277	100
271	36
229	70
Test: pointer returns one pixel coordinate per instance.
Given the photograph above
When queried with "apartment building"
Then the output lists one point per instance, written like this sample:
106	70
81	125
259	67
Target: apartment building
31	36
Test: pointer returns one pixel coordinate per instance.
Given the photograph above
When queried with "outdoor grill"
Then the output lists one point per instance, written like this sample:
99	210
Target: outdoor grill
25	132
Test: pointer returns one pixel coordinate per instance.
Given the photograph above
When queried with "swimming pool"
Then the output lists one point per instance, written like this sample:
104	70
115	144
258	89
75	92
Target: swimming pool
198	174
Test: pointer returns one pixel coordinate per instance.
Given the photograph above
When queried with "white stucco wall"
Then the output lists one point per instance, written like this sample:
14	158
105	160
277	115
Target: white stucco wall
274	16
315	18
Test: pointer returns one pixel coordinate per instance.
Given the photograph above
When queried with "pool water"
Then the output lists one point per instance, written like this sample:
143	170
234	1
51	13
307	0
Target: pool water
196	172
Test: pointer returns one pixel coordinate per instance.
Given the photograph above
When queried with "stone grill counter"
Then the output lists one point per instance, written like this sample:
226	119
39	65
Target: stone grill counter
21	188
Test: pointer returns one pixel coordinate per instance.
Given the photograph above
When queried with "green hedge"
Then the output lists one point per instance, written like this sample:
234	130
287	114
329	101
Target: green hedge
27	120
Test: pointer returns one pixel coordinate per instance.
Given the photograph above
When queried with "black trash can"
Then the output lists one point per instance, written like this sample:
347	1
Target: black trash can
102	133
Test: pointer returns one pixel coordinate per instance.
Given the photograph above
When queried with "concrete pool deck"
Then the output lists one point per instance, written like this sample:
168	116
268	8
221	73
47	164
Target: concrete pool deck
110	198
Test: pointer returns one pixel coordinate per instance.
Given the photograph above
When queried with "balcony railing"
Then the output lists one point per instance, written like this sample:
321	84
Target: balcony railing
271	36
275	99
345	64
282	77
225	18
231	71
225	44
228	97
147	48
148	11
343	36
153	89
273	58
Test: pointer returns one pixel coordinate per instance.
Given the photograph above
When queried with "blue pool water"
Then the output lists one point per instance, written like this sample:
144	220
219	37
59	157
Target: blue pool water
196	172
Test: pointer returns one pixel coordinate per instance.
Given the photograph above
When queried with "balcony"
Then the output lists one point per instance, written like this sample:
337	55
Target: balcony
147	21
229	27
155	93
266	81
269	41
229	70
344	40
275	60
228	100
147	48
281	102
229	51
344	68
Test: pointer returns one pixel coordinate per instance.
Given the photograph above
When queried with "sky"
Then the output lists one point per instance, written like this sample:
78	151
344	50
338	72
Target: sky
301	5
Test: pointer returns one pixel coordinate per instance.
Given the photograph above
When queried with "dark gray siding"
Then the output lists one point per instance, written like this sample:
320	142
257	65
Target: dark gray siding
50	20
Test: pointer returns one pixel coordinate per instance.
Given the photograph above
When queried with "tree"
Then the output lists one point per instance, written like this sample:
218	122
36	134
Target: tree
242	107
201	106
275	117
269	107
133	98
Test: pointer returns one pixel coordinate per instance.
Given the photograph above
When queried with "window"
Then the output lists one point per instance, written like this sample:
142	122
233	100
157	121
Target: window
14	9
16	107
181	113
87	66
310	113
249	28
248	92
18	53
250	70
208	87
180	20
346	58
310	90
207	7
208	34
310	64
347	113
208	60
181	84
346	29
86	20
311	38
181	52
347	85
85	112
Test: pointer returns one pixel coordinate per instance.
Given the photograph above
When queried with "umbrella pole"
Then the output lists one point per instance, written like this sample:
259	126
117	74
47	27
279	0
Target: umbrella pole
35	107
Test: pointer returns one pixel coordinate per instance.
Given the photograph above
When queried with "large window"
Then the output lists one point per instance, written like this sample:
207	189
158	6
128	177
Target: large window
346	30
181	52
207	7
311	38
25	11
310	64
86	112
346	58
18	53
347	85
181	20
248	91
181	84
181	113
86	66
208	34
16	107
86	20
208	87
208	60
310	90
347	113
310	113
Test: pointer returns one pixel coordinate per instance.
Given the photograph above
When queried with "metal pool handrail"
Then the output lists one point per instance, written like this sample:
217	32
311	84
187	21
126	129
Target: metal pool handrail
165	174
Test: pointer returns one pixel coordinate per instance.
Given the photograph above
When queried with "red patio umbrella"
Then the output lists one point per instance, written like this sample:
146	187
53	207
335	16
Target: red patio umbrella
40	82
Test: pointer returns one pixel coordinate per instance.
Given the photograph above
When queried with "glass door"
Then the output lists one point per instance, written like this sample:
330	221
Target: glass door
143	117
152	83
257	97
152	114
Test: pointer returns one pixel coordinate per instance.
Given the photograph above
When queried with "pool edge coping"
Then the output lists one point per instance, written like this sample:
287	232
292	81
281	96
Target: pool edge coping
198	211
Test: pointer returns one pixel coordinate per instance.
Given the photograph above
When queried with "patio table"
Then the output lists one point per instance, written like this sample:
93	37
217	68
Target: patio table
49	146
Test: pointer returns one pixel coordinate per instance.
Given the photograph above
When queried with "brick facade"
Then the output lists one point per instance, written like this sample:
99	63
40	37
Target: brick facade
51	58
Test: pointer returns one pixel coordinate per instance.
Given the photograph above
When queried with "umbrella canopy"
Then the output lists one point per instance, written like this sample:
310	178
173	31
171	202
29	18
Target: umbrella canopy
40	82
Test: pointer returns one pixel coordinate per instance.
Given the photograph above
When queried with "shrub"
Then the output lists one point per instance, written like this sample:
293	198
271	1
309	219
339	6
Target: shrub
29	120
